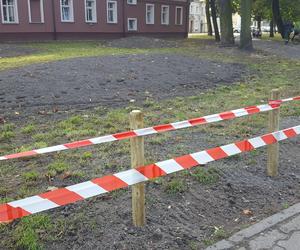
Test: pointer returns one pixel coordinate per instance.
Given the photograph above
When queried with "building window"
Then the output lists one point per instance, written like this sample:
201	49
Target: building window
112	13
36	11
165	14
149	13
132	24
66	8
178	15
131	2
90	11
9	11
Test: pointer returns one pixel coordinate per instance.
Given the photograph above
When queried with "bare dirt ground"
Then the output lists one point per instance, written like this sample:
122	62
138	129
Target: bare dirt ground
185	219
289	51
112	81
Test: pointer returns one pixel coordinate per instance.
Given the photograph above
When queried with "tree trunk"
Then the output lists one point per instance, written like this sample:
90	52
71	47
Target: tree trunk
226	22
259	23
207	10
246	38
277	17
214	18
271	28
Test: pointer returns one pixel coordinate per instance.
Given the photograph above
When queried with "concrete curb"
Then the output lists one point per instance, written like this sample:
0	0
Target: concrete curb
256	229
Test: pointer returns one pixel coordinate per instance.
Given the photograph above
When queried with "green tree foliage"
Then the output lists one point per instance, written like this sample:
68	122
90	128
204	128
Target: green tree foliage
290	10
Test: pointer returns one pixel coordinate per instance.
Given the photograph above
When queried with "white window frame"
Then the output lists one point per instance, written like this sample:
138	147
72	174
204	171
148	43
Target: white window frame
132	19
168	14
16	14
94	11
71	20
41	10
115	9
181	15
132	2
152	14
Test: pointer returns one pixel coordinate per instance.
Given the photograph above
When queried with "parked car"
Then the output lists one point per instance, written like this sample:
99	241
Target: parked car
237	30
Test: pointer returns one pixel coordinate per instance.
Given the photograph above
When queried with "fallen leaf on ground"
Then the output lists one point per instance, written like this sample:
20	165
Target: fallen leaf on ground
247	212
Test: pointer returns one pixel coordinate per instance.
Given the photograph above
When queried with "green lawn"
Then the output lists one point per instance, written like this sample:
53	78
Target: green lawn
54	51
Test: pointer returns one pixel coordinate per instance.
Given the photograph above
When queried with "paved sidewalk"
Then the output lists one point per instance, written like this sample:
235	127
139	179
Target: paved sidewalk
278	232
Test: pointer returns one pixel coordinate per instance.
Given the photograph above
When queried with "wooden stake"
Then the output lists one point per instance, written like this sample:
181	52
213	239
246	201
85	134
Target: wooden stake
273	150
137	159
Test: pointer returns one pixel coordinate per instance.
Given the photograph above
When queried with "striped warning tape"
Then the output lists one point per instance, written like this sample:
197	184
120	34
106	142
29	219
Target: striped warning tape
68	195
228	115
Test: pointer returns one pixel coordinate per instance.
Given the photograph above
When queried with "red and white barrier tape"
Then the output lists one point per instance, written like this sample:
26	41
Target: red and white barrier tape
68	195
228	115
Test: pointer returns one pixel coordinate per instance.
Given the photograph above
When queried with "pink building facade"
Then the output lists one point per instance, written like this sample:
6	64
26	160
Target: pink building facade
91	19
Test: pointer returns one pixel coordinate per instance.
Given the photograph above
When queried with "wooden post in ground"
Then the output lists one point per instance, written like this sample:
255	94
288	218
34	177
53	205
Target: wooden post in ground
273	150
137	159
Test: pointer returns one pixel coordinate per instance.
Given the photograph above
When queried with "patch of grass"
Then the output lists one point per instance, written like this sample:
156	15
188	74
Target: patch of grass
175	186
79	133
208	241
61	50
118	193
206	176
7	132
277	37
218	234
31	176
8	127
78	175
57	167
3	191
160	139
42	137
29	129
87	155
285	205
40	144
30	231
7	135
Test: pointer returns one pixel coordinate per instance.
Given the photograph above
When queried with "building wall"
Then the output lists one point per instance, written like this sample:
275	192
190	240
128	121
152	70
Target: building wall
197	23
139	12
80	29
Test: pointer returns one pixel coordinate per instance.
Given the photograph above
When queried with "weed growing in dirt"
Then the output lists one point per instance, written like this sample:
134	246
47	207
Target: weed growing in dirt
40	144
7	132
7	135
193	245
77	176
175	186
30	230
29	129
118	193
206	176
285	205
159	139
57	167
31	176
218	234
42	137
86	156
